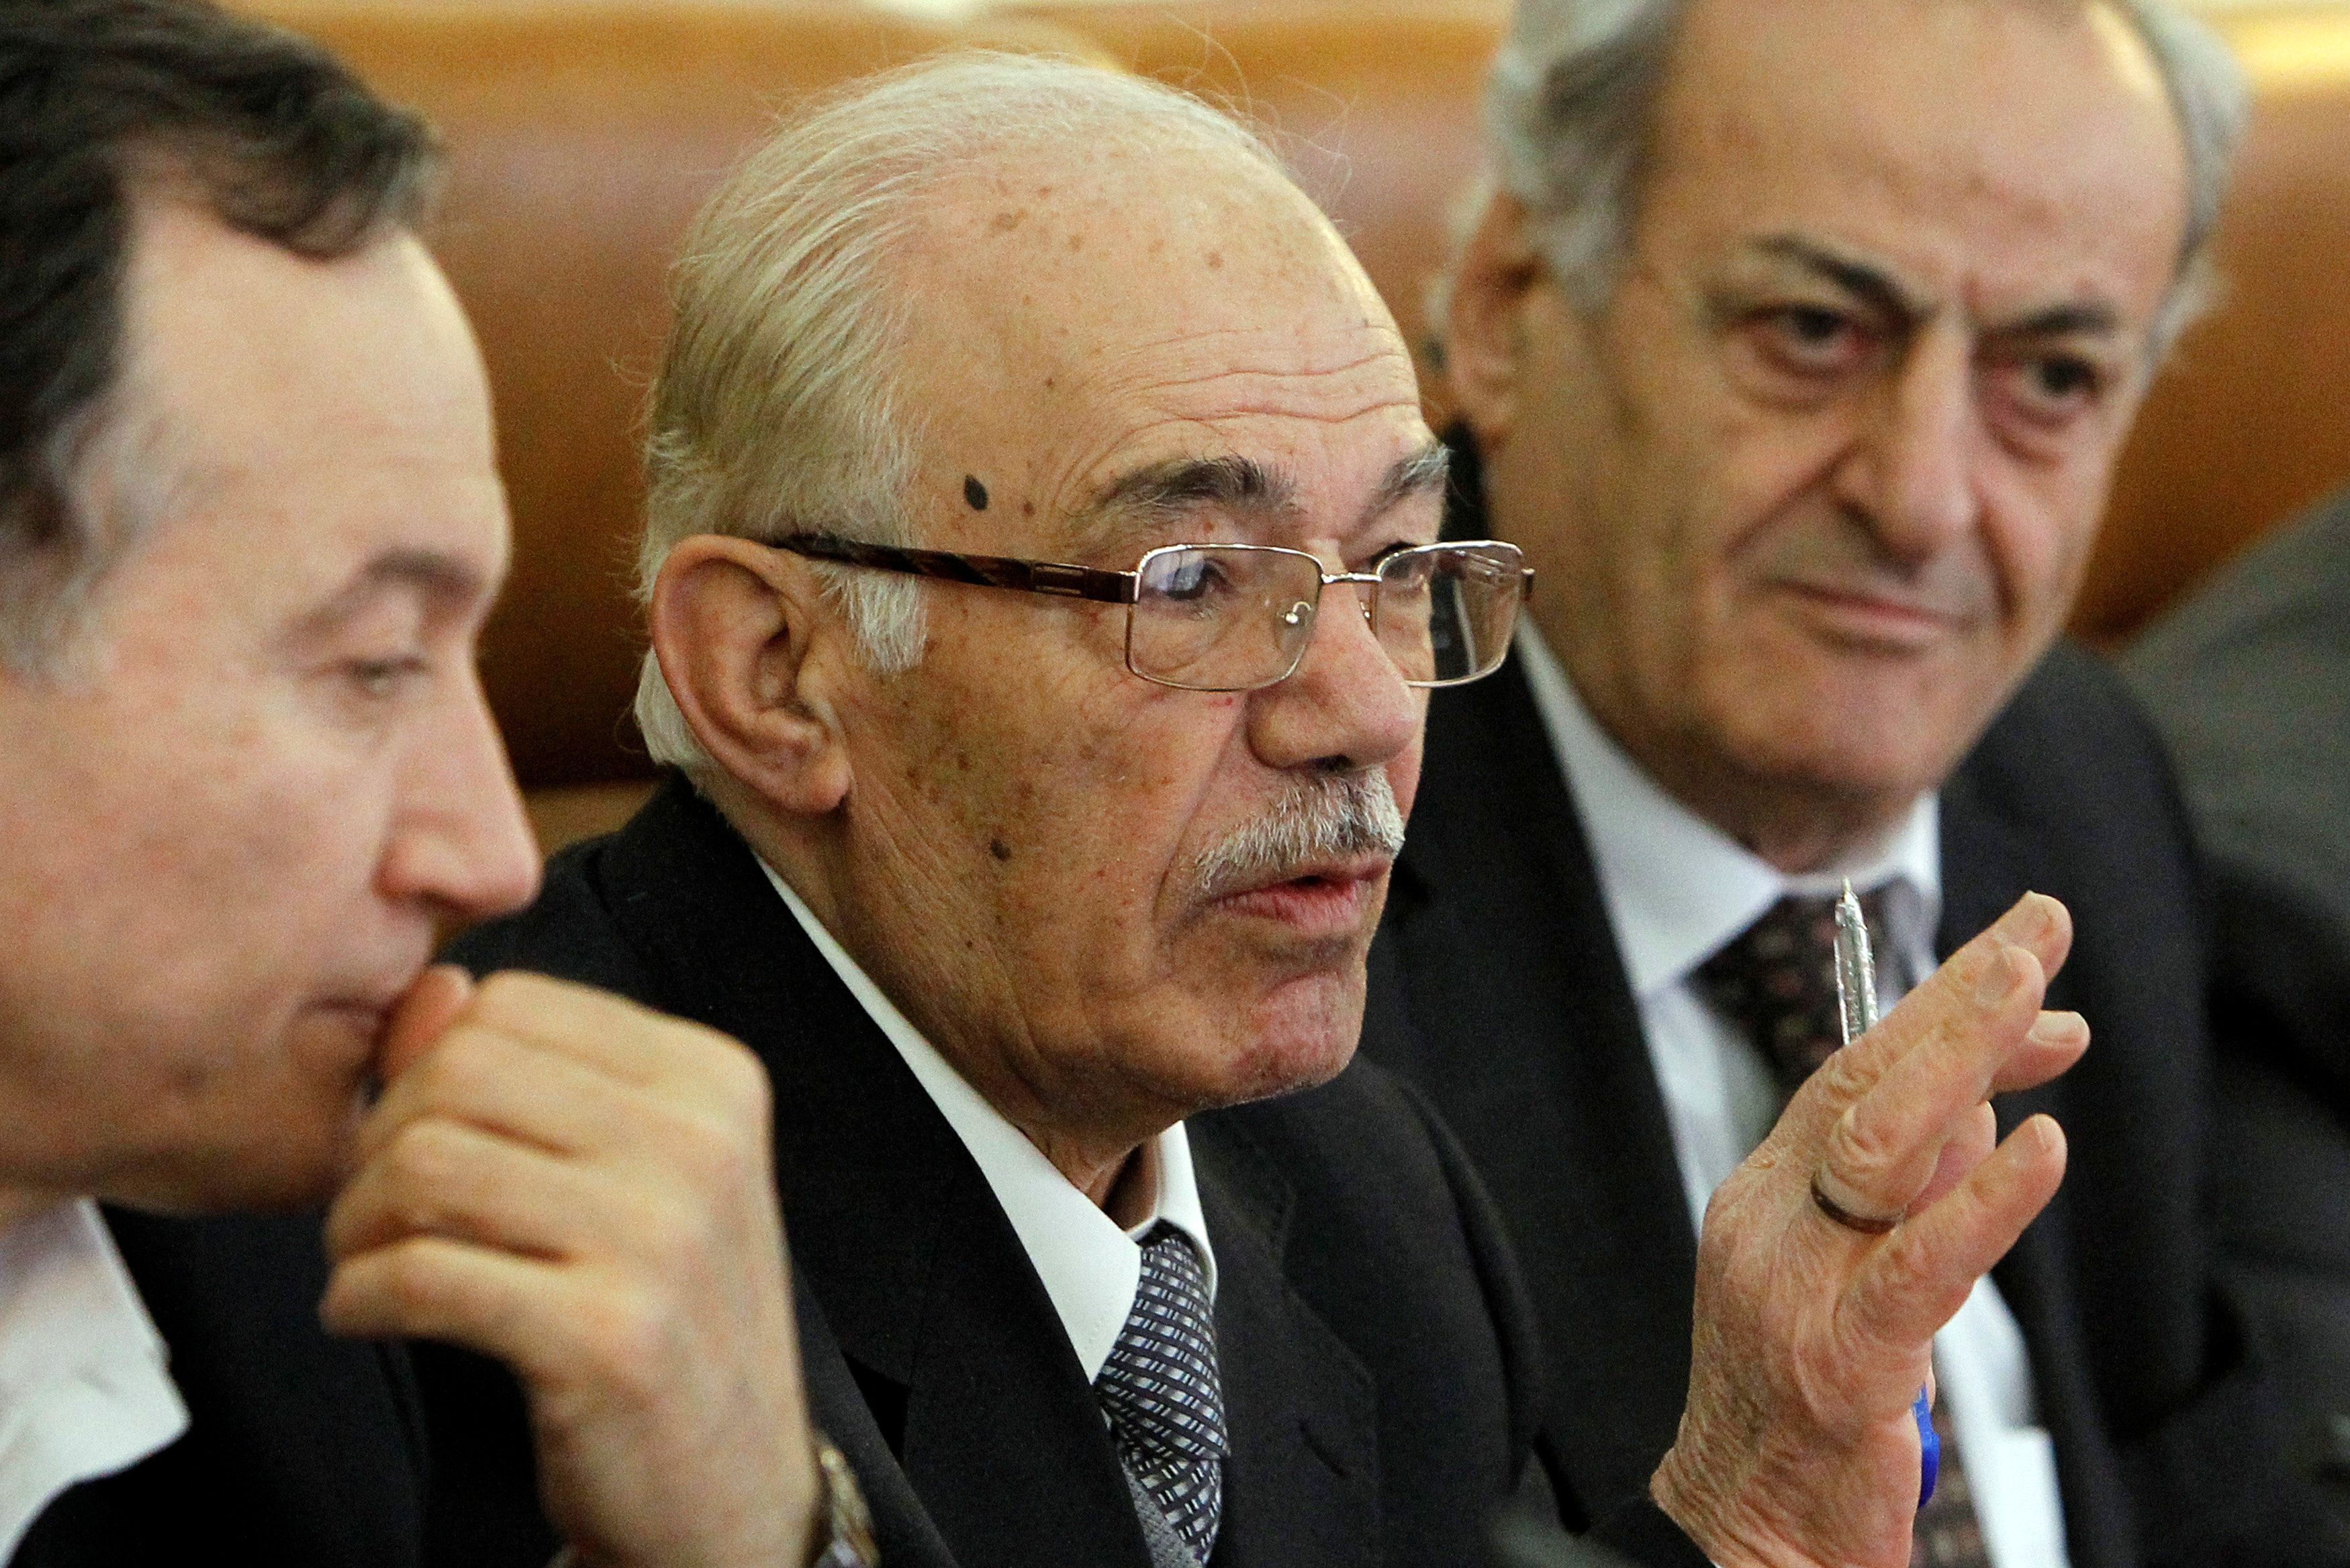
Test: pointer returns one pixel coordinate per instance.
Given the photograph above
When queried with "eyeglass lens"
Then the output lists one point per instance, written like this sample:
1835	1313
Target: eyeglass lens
1218	617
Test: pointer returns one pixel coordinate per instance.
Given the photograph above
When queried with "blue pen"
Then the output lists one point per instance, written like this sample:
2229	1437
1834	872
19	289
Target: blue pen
1856	977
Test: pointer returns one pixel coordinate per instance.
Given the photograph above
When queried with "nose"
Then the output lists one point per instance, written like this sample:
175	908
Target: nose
1345	708
460	840
1911	471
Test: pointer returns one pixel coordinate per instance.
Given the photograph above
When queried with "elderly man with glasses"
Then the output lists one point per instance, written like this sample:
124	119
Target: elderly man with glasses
1044	580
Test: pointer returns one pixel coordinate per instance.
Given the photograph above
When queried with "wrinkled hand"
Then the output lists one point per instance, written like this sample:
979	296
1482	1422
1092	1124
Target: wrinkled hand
583	1189
1797	1446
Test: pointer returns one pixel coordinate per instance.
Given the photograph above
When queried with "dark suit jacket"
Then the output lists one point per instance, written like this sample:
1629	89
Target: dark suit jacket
1496	986
1378	1367
301	1450
2249	683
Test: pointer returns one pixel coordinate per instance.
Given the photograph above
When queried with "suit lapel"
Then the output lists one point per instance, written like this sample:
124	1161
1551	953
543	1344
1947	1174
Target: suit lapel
1529	1039
1303	1481
308	1444
959	1362
1985	870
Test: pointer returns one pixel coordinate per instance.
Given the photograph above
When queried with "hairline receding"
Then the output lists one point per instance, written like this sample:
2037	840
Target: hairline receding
106	105
1570	105
778	406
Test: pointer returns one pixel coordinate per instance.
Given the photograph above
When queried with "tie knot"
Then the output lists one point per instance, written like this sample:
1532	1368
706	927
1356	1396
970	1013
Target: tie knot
1776	981
1159	1386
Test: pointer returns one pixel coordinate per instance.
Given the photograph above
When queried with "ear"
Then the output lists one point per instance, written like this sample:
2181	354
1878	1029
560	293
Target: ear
1485	331
746	645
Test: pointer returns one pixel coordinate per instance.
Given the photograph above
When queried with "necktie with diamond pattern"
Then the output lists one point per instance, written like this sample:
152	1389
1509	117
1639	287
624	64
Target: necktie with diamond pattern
1162	1392
1776	981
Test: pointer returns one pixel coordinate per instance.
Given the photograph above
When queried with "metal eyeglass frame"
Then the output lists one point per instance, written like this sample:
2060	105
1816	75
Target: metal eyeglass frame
1061	579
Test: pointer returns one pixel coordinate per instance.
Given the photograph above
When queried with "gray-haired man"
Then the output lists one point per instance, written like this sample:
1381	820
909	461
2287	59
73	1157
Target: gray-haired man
1042	888
1795	348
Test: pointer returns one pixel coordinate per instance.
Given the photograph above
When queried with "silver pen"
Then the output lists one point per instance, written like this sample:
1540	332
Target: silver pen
1856	968
1855	979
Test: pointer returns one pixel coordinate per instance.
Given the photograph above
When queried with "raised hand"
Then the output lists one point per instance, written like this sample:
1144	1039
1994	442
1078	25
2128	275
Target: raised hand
583	1189
1829	1260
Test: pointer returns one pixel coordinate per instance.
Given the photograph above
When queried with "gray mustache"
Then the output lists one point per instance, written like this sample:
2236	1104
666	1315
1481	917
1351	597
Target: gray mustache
1338	817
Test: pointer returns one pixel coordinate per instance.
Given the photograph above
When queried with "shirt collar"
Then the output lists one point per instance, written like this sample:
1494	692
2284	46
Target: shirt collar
1678	889
1089	1267
83	1389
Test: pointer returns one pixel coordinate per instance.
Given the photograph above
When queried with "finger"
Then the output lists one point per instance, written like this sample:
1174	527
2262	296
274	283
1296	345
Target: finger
598	1028
446	1179
2037	923
432	1003
1977	1136
1911	1285
2054	1043
1879	1154
511	1087
429	1287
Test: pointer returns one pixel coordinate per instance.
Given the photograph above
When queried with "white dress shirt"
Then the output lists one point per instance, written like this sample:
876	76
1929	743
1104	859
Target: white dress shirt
83	1389
1090	1268
1677	890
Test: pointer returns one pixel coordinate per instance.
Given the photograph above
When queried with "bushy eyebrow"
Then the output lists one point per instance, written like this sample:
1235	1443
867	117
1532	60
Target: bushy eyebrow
1880	290
1422	474
1871	285
1147	500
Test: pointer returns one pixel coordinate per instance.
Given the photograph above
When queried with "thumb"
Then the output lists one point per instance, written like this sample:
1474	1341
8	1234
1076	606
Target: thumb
424	1014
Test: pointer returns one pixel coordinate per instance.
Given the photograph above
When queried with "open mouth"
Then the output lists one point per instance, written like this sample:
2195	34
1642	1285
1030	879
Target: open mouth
1324	901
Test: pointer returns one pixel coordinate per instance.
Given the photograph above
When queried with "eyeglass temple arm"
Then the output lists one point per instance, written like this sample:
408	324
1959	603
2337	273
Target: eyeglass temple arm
1055	578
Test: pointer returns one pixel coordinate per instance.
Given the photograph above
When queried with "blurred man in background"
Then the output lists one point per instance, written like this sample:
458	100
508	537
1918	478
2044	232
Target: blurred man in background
1795	347
250	524
2249	683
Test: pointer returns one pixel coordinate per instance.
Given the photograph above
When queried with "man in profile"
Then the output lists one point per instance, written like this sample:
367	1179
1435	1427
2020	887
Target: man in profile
1042	581
1796	348
250	524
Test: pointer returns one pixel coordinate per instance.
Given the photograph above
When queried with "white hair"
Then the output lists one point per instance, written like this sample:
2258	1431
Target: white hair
1571	98
777	407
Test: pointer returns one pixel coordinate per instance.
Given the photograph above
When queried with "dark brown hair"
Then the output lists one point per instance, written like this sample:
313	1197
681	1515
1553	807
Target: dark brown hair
99	99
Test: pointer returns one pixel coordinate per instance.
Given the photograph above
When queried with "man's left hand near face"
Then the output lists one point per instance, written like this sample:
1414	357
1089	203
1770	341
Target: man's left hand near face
584	1189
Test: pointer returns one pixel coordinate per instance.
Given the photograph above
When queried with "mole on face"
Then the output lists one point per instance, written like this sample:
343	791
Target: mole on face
974	493
1001	850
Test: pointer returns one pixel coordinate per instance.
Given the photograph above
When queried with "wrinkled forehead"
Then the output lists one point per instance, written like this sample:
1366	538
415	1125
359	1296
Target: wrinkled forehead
2006	145
1078	315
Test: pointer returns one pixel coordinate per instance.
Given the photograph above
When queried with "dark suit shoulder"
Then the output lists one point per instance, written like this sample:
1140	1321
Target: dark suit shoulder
2073	737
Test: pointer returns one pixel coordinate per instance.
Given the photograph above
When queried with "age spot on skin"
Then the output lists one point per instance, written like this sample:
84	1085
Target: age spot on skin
974	493
1001	850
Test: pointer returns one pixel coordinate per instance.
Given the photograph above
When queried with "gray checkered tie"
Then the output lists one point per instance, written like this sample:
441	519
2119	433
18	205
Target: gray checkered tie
1162	1394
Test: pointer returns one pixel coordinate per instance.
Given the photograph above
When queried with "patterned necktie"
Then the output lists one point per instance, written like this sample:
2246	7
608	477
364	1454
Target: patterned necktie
1777	981
1160	1391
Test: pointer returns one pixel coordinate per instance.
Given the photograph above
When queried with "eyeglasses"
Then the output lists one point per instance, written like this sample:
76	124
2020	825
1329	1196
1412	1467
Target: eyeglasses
1235	617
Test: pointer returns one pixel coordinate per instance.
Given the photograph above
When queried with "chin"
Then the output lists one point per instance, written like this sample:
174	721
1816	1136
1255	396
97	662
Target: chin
1302	1034
288	1155
1857	736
